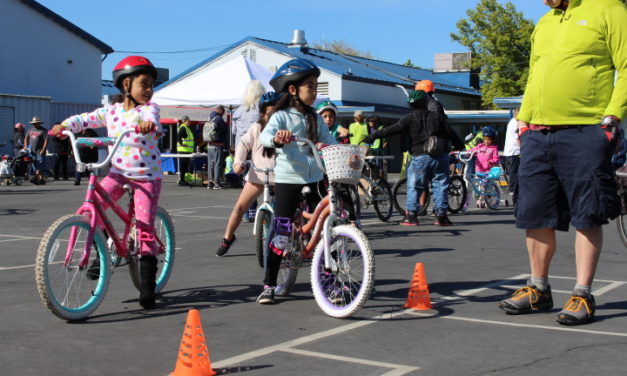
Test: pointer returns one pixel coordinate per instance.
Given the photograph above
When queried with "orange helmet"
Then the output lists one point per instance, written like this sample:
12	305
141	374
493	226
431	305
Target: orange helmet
426	86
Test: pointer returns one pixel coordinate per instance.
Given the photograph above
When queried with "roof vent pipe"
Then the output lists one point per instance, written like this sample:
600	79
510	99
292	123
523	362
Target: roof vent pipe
298	38
298	41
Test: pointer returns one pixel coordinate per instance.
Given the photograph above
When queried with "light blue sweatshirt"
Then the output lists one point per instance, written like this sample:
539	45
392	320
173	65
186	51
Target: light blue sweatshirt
295	163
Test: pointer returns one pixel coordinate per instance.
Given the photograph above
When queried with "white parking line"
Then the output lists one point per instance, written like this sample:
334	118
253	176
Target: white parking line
397	369
598	292
505	323
16	267
199	207
16	238
460	295
573	278
196	216
288	346
512	287
611	285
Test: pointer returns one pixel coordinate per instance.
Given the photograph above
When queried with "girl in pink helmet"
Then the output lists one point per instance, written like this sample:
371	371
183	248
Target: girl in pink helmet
138	162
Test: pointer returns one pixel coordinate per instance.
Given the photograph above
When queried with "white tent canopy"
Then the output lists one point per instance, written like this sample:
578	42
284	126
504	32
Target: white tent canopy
214	84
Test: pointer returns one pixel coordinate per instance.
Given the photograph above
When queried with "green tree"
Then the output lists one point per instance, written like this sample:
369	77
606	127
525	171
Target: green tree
499	38
342	47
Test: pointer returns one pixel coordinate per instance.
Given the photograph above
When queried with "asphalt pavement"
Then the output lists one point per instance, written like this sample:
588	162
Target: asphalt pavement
469	268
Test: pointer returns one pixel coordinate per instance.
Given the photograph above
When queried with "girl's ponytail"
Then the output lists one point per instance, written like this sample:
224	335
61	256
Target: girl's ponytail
310	113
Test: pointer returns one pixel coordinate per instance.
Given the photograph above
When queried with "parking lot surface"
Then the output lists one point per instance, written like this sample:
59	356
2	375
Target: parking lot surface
469	267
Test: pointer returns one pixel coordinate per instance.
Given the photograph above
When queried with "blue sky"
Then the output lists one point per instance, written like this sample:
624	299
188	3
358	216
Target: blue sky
392	30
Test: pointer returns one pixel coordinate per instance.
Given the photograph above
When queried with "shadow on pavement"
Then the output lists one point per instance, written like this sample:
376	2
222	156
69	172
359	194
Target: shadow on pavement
231	370
410	252
17	211
386	234
175	302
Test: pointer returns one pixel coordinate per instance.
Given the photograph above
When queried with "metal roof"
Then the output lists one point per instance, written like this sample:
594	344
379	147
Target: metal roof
508	102
350	67
106	49
473	116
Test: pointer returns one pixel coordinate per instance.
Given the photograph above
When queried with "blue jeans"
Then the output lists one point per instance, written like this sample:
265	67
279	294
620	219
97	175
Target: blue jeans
421	170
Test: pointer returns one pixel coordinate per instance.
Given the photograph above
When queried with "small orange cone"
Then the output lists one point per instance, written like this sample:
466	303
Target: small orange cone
193	359
418	297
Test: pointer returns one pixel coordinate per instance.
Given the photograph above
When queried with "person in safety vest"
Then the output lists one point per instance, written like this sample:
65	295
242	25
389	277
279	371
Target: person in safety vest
358	130
185	145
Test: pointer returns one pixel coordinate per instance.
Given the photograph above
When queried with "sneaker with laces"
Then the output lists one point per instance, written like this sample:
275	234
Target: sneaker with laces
579	309
527	299
217	186
442	220
224	246
411	219
267	295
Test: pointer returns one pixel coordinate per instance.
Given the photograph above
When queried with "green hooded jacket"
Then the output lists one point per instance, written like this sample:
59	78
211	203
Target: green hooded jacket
574	57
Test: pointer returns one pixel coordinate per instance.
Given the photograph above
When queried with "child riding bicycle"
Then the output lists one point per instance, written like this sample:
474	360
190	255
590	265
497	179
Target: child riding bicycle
295	168
138	162
261	158
487	154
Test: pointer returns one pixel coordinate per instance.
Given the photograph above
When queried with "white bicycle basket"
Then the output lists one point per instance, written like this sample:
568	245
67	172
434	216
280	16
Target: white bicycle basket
344	162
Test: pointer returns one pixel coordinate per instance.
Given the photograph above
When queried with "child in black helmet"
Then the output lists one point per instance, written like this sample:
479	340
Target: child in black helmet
295	168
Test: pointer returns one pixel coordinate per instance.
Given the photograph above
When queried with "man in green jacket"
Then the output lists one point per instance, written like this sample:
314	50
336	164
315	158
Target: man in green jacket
575	97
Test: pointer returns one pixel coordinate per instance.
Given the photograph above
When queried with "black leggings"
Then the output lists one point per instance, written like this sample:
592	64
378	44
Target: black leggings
286	201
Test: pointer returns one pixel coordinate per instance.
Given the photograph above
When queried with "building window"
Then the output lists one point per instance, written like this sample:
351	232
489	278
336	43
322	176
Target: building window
323	88
253	55
245	53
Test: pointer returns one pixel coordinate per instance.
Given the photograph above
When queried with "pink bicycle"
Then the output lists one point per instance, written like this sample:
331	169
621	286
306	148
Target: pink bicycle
76	259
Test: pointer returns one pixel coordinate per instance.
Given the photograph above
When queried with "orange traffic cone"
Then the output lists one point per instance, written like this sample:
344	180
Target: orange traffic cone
418	297
193	359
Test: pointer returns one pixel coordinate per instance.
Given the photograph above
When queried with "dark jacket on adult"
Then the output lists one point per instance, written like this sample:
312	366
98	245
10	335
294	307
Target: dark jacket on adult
222	130
417	126
88	155
61	146
435	105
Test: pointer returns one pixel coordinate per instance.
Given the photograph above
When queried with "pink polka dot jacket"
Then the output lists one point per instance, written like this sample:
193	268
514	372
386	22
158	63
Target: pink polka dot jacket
138	157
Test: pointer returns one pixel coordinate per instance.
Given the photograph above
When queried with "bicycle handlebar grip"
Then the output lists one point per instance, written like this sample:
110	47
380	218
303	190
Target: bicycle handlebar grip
152	129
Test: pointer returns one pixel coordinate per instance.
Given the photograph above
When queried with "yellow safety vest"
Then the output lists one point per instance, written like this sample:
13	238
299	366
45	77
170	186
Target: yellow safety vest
187	143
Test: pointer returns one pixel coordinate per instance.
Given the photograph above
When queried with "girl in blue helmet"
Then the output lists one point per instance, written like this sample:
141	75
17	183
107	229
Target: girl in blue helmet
261	158
295	167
